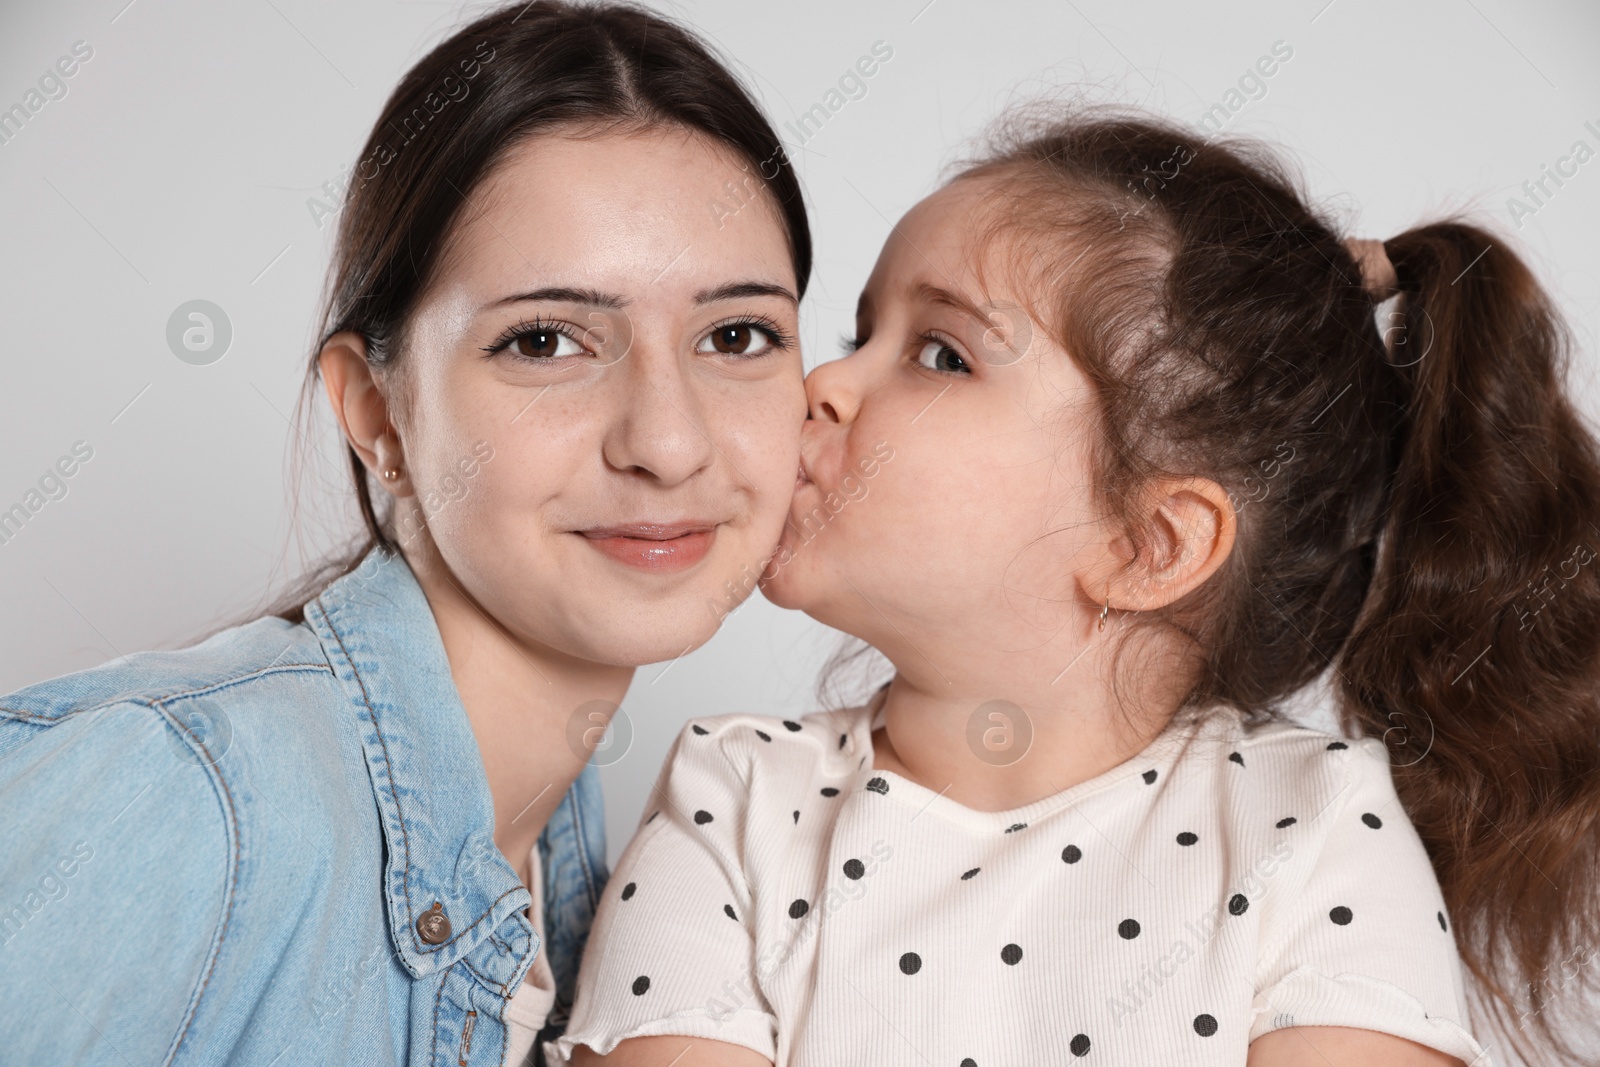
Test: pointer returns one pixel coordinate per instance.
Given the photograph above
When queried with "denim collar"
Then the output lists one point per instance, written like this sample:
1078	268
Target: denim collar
427	776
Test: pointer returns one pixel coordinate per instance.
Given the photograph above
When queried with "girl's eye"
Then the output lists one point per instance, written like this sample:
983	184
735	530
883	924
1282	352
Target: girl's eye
936	355
738	339
544	343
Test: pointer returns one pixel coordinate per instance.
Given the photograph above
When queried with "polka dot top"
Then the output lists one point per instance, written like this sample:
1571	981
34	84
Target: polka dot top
784	895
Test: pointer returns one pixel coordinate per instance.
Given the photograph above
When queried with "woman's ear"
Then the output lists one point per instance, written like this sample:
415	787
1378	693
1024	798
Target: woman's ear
362	409
1189	526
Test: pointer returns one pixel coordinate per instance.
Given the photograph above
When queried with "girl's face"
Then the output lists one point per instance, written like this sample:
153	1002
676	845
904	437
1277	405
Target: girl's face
946	507
600	398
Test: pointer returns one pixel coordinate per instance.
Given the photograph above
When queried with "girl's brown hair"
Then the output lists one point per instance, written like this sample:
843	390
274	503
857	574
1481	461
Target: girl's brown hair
521	70
1418	517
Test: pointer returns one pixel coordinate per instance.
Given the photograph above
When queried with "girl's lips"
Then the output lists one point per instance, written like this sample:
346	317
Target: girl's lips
654	546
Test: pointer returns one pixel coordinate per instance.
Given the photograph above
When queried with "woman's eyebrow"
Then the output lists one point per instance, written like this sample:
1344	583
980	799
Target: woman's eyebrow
565	295
735	290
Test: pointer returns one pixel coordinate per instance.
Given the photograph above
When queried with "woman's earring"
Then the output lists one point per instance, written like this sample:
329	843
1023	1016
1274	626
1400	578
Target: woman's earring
1101	625
391	474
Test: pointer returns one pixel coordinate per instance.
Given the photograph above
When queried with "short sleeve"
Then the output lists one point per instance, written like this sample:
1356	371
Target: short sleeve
672	950
1363	940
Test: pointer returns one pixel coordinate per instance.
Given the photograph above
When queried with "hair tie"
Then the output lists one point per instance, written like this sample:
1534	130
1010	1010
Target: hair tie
1378	275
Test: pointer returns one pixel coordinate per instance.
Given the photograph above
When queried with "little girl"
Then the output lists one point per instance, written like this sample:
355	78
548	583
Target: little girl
1121	459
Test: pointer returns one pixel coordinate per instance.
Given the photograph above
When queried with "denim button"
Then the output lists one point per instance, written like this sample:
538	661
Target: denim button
433	926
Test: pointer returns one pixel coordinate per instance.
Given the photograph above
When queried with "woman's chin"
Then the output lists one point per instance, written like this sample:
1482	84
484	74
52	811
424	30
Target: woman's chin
641	646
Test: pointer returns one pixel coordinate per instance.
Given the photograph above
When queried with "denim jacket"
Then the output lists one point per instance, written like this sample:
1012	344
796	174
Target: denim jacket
274	848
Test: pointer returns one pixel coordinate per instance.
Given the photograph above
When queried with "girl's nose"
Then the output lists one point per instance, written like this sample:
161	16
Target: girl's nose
833	390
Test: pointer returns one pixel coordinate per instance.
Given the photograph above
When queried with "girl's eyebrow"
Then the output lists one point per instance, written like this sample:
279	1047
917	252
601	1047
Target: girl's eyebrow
563	294
933	294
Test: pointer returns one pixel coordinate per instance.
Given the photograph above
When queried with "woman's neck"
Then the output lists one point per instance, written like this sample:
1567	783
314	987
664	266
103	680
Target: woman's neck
521	699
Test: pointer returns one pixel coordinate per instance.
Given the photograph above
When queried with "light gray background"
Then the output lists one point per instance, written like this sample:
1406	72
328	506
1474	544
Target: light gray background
180	162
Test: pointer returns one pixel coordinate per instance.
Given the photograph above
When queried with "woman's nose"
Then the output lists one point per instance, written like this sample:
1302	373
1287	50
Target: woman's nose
659	429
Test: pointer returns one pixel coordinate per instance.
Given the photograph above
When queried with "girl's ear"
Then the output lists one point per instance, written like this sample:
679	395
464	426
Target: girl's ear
1189	526
362	410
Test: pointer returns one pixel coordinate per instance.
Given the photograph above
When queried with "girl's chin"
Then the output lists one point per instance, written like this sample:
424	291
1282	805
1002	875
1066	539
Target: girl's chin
776	589
781	583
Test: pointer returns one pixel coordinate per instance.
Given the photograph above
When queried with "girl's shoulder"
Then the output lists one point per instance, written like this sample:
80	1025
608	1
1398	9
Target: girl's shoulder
837	738
1291	747
1290	765
721	765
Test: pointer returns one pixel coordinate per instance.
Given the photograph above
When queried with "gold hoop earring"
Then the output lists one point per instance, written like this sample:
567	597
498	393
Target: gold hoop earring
1101	625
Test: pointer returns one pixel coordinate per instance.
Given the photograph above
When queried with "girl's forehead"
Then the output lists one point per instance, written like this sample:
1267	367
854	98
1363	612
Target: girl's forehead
953	211
934	236
952	240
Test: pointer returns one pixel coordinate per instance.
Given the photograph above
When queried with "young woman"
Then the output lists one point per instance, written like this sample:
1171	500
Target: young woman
1119	461
572	397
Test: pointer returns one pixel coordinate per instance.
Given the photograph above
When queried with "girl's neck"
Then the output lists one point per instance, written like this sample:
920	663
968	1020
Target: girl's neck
965	747
520	698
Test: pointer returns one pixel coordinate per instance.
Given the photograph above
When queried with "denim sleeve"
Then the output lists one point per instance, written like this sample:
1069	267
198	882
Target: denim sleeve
572	851
120	860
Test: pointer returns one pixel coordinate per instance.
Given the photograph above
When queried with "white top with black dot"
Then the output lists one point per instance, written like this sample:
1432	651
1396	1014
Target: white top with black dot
784	895
529	1007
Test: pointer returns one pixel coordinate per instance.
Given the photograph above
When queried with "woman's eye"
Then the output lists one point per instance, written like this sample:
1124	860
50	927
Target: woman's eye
936	355
737	339
544	343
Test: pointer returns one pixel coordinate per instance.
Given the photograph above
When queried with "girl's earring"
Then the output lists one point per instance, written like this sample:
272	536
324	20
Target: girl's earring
391	474
1101	625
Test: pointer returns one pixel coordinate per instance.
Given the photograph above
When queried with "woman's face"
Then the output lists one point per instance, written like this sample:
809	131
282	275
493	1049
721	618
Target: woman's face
947	508
600	396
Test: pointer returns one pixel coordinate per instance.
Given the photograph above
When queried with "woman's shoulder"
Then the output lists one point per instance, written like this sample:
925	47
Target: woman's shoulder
198	735
236	657
232	741
184	800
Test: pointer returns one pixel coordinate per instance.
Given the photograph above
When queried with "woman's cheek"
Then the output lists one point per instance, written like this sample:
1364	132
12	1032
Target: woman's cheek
451	516
489	489
765	437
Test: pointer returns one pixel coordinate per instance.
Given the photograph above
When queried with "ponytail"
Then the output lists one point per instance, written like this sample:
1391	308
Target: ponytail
1476	655
1417	501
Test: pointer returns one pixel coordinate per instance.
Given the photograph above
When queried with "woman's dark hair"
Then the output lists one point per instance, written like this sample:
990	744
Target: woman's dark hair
525	69
1418	501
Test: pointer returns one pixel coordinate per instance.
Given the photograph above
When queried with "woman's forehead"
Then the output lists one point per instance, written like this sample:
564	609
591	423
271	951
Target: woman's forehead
608	210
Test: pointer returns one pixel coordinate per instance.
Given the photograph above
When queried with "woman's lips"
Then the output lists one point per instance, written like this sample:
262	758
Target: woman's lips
652	546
